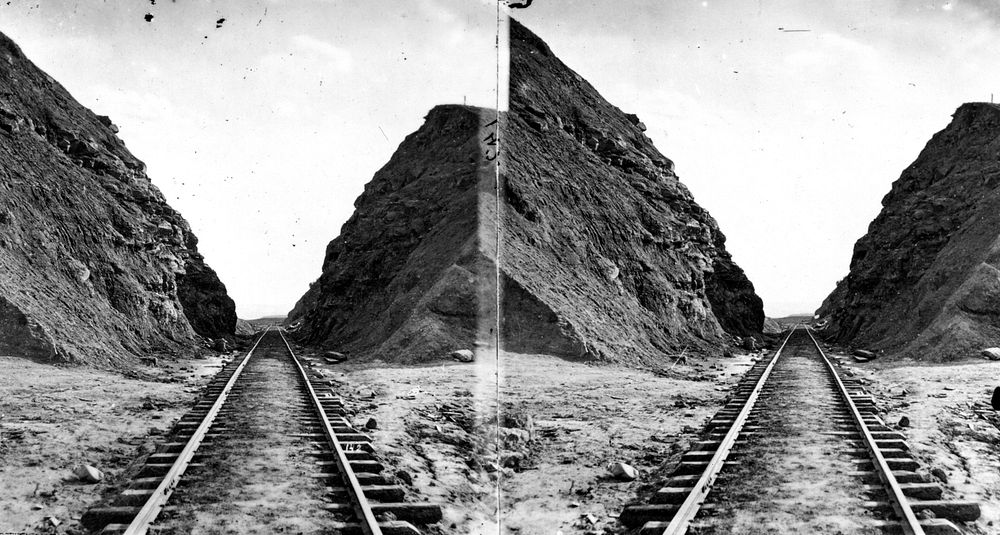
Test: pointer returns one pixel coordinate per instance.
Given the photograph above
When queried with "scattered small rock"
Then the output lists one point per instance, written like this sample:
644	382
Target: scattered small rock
512	459
992	353
622	471
939	474
87	473
904	422
463	355
865	354
514	437
404	476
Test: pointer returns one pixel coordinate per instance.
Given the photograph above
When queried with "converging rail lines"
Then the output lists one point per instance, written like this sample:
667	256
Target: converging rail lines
799	446
261	402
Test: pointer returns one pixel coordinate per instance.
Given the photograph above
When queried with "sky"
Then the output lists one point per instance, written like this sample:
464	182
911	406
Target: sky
263	131
263	128
790	139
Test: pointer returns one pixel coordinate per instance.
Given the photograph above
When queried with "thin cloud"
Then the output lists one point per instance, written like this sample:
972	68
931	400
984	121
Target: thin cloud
341	58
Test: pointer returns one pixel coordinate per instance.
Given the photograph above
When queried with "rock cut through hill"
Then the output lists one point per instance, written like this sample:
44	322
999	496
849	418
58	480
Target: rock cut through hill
95	266
603	253
925	280
598	230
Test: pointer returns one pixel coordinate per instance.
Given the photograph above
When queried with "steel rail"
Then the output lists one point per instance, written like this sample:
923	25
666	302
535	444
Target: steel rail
363	510
156	501
908	520
689	509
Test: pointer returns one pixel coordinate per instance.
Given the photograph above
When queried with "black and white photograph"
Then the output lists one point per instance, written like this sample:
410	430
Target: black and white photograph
518	267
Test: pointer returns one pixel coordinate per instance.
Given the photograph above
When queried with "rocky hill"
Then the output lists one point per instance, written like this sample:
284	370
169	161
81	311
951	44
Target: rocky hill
598	228
603	252
925	281
407	275
95	267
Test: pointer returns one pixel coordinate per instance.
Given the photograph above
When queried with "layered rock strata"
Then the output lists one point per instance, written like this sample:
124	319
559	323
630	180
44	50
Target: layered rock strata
95	266
924	281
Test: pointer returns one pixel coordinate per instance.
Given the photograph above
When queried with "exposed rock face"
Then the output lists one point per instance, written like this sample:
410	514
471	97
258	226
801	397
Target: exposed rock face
925	280
94	265
603	253
406	277
599	232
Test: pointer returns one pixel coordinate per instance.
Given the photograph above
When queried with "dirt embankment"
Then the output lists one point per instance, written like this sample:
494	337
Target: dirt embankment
405	280
923	282
596	226
95	266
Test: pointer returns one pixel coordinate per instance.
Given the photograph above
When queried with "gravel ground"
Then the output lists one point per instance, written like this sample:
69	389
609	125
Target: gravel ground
588	416
563	422
943	430
55	417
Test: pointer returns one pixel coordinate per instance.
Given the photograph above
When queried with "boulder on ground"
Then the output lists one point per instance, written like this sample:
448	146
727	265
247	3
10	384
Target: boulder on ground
992	353
244	328
463	355
371	424
221	345
622	471
865	354
87	473
149	361
904	422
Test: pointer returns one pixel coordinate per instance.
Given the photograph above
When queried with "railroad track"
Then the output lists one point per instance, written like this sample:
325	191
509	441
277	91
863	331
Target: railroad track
799	447
230	429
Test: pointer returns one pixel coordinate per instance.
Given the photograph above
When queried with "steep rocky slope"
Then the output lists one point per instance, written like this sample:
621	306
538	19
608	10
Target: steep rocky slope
95	267
406	277
598	228
603	253
925	280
